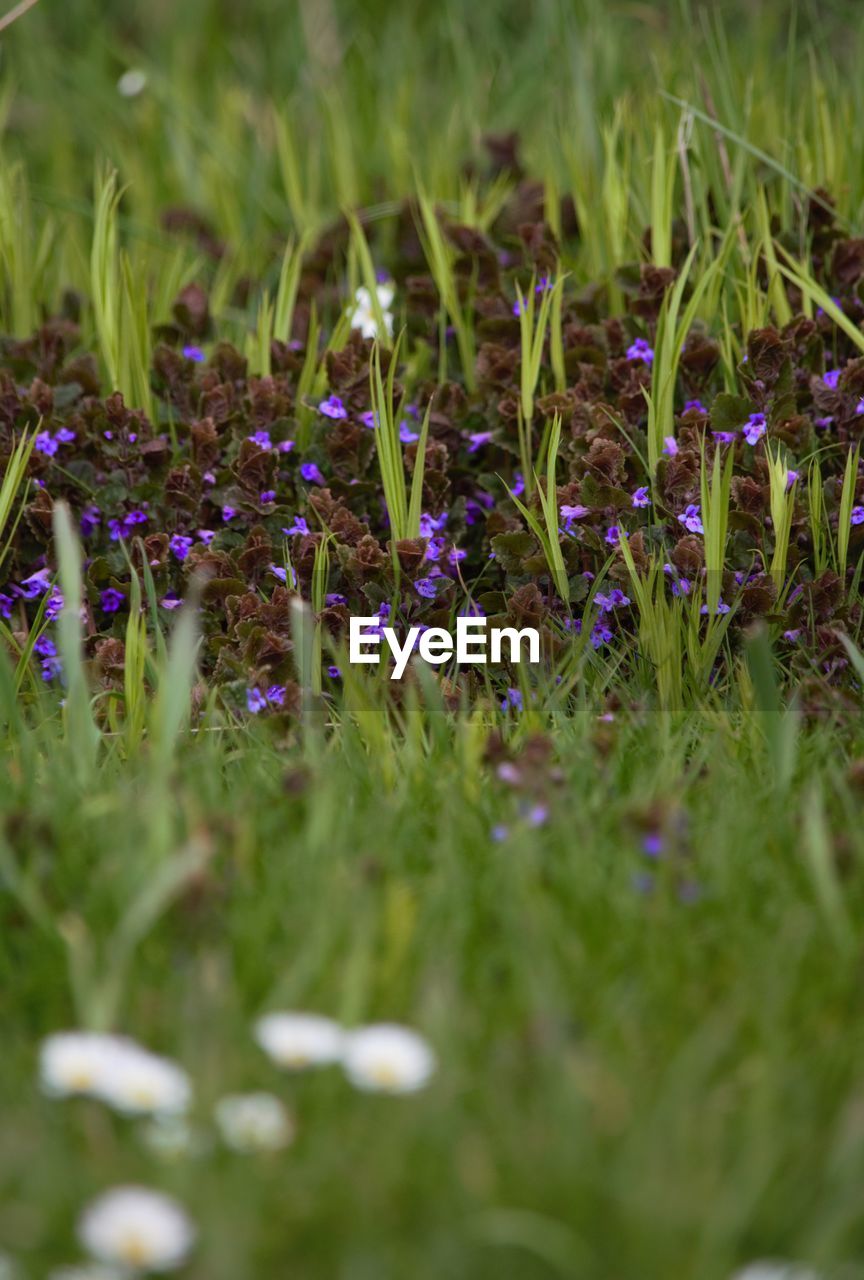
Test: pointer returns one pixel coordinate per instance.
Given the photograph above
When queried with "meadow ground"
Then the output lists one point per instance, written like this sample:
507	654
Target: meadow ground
551	315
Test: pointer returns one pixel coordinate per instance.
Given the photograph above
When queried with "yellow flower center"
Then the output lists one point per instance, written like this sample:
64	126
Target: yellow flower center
384	1074
134	1250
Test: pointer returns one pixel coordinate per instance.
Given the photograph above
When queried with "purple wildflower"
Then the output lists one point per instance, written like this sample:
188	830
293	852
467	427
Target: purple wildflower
831	378
512	698
537	815
334	673
613	533
670	446
194	353
725	437
478	439
754	428
180	545
639	497
518	486
285	446
369	420
857	515
50	668
280	571
616	599
276	695
406	435
691	519
171	600
652	845
111	600
299	526
641	350
333	407
600	634
36	585
45	443
574	512
6	605
262	439
430	524
228	513
310	473
54	605
694	404
90	517
255	700
266	496
206	536
425	587
123	527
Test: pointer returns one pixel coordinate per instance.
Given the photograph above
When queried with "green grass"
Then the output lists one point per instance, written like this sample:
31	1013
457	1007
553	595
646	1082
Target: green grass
630	1083
648	1067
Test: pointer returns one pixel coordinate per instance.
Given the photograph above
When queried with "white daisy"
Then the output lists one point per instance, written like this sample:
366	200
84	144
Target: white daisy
137	1228
114	1069
132	82
363	315
387	1058
298	1040
169	1137
142	1083
250	1122
77	1062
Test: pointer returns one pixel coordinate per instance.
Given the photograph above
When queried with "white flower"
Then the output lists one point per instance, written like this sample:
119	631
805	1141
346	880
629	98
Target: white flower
137	1228
77	1062
773	1270
169	1136
388	1059
363	315
298	1040
132	82
252	1122
142	1083
114	1069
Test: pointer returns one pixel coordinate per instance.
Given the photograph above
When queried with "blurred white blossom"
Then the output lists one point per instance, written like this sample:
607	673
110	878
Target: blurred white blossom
250	1122
115	1070
387	1058
169	1136
136	1228
77	1062
298	1040
132	82
363	315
